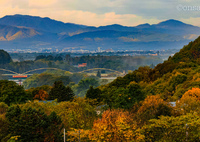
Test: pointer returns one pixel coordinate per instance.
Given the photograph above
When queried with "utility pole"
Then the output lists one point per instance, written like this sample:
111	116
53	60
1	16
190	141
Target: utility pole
79	136
64	134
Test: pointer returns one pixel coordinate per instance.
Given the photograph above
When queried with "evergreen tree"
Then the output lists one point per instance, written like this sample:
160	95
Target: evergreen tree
99	74
4	57
60	92
94	93
34	125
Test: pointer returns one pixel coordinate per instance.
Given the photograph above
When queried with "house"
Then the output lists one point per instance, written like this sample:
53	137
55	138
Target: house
82	65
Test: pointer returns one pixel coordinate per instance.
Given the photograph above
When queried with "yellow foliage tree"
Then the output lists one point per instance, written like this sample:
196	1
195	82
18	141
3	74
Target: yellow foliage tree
115	126
78	114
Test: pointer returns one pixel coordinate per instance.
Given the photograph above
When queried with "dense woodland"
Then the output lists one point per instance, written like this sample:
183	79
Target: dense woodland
136	107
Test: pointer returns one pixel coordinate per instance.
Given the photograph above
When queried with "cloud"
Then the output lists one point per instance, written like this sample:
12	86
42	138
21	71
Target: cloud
104	12
192	21
9	10
160	9
42	3
93	19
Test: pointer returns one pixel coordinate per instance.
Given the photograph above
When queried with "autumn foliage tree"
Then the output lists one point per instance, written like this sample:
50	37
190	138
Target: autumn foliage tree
194	92
189	102
116	126
42	95
151	108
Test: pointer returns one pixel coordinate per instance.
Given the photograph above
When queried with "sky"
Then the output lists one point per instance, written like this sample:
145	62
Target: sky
106	12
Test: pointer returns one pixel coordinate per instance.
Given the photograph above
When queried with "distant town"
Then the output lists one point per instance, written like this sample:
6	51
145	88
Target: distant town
30	54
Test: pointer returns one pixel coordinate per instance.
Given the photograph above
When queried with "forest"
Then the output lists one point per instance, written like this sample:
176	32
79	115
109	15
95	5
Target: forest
146	105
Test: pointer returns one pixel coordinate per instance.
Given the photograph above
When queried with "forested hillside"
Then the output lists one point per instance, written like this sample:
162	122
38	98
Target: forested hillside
137	107
170	79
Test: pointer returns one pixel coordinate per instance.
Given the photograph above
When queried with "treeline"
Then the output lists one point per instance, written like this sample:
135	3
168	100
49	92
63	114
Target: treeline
118	63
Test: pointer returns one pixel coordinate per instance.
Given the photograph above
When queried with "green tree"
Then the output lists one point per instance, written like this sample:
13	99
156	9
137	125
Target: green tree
60	92
12	93
83	85
98	74
173	129
34	125
94	93
4	57
38	80
123	97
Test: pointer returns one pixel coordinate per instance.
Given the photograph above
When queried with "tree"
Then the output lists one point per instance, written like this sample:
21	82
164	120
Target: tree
3	108
172	129
194	92
34	125
38	80
78	114
189	102
151	108
114	126
83	85
3	128
40	57
41	95
54	131
94	94
98	74
58	58
4	57
50	58
35	91
135	91
120	97
60	92
12	93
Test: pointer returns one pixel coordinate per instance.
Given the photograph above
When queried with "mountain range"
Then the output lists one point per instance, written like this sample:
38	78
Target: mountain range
31	32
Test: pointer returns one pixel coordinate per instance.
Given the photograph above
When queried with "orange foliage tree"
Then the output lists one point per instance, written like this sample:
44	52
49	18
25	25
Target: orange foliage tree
189	102
41	95
115	126
195	92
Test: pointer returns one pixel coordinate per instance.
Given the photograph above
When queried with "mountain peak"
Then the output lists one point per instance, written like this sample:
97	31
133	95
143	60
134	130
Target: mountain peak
171	22
113	25
146	25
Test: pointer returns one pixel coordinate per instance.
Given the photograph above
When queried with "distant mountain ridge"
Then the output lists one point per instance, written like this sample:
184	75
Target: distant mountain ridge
38	23
36	32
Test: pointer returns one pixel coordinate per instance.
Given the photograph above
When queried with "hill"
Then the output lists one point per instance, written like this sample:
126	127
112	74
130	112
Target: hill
8	33
170	80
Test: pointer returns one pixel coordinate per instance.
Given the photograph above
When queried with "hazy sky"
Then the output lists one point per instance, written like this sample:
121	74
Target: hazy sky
105	12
